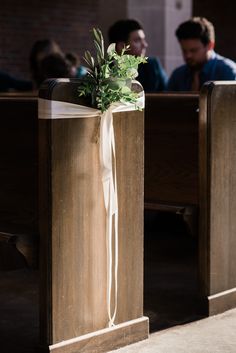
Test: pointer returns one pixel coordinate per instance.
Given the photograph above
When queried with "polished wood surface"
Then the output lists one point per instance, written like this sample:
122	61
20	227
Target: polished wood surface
105	340
72	226
217	195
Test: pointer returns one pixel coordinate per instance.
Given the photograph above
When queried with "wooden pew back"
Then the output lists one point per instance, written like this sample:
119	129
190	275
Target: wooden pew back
171	156
171	150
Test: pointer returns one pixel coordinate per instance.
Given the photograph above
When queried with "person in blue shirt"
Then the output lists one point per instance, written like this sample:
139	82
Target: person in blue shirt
125	32
197	39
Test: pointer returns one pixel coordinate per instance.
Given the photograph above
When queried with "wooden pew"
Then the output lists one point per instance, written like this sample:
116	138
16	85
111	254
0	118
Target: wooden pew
171	158
171	155
217	222
190	162
169	185
19	219
73	254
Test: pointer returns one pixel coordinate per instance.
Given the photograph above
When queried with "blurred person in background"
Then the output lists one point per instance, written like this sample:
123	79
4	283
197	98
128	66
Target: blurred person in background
197	40
11	83
39	50
125	32
77	70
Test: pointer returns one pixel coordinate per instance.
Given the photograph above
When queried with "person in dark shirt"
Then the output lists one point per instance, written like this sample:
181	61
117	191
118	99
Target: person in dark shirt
54	66
8	83
197	39
40	49
129	32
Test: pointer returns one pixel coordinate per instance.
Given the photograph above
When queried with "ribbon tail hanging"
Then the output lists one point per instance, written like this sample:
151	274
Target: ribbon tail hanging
108	163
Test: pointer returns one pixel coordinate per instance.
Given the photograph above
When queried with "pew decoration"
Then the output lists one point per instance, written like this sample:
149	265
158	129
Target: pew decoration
51	109
108	85
110	75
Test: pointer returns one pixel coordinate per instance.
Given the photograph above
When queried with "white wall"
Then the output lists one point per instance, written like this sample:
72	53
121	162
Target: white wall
176	11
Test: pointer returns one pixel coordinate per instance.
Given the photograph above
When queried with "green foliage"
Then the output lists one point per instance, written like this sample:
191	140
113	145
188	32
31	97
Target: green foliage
110	74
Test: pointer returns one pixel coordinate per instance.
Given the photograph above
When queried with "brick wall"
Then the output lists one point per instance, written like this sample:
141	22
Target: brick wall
222	15
69	21
23	22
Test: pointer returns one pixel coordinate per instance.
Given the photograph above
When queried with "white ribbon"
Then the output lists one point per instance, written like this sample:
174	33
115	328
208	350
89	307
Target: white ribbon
49	109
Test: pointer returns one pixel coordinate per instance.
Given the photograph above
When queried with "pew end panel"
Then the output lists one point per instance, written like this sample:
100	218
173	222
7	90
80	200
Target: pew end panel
217	195
72	229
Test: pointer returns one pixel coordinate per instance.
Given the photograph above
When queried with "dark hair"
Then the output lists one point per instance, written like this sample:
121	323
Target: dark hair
120	30
53	66
196	28
41	48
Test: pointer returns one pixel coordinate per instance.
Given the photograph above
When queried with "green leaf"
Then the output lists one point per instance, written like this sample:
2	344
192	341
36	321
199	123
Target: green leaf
108	77
89	59
96	34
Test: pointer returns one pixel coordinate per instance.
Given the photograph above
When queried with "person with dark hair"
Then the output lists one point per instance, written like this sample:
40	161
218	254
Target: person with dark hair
40	49
77	70
130	32
197	40
54	66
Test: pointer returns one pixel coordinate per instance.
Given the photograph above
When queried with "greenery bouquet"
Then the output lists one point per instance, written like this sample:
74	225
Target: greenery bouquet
109	75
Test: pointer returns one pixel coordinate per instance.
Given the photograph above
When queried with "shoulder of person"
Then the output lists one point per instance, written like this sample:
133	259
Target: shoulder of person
225	62
154	66
154	61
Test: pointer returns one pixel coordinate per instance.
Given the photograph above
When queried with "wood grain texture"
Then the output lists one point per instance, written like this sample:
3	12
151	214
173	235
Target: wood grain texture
222	301
107	339
129	134
218	187
72	226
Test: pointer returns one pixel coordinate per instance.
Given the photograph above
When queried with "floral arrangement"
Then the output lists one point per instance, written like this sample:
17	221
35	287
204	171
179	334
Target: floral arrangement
109	75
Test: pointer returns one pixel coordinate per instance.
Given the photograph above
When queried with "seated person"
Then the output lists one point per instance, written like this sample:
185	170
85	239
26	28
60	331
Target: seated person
9	83
39	51
77	70
54	66
129	32
197	39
